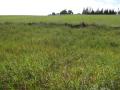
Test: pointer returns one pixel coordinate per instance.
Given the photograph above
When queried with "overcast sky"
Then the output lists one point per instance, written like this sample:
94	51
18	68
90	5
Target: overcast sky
45	7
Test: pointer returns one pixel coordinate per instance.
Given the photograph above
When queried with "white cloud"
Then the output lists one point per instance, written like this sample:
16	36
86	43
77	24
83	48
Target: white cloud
44	7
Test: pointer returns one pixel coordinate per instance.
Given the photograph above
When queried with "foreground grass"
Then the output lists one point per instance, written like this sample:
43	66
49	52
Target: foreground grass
59	58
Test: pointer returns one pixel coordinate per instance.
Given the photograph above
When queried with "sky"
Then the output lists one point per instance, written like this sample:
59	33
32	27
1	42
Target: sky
45	7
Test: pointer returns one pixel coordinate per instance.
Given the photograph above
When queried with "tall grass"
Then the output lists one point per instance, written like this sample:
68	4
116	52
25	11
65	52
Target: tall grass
58	58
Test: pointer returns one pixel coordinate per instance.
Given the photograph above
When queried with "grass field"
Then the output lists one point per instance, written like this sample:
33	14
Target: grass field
34	57
103	19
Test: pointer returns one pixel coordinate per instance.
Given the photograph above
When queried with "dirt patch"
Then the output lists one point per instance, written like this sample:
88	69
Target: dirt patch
80	25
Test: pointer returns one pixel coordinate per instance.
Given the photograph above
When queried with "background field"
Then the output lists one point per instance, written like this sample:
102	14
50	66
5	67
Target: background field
99	19
34	57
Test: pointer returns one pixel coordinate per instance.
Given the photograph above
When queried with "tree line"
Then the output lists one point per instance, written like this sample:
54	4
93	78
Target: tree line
99	11
63	12
89	11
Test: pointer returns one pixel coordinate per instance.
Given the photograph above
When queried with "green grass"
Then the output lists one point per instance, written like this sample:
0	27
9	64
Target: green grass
59	57
99	19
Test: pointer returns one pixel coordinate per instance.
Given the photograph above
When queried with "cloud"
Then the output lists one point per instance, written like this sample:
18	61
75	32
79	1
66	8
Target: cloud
44	7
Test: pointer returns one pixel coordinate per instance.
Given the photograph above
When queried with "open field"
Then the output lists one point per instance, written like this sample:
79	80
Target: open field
103	19
39	57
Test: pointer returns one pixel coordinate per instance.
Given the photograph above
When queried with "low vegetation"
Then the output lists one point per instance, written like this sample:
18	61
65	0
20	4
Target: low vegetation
37	54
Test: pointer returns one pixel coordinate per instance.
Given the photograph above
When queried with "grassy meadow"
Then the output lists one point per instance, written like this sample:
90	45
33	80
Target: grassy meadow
36	57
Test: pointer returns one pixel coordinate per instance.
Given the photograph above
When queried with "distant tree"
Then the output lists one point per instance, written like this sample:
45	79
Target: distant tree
86	11
53	13
63	12
97	11
106	11
119	12
113	12
110	11
70	12
92	12
101	11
